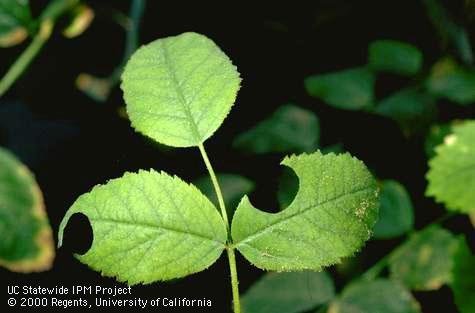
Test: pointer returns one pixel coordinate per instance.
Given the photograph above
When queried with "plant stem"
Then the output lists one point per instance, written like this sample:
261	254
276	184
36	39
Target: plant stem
55	9
101	88
234	279
224	214
137	8
217	189
26	57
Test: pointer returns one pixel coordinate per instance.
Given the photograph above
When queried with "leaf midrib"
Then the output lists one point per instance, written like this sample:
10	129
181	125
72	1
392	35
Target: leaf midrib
193	126
154	227
267	228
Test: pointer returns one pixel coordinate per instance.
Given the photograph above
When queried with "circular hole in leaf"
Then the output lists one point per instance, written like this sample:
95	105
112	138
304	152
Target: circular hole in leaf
78	224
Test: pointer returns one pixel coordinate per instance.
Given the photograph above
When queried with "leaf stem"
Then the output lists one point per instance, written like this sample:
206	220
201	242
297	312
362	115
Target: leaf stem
26	57
217	189
374	271
46	20
224	214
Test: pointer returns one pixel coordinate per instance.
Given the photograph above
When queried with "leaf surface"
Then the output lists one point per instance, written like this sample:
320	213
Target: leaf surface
289	129
351	89
288	292
149	227
27	240
179	89
378	296
424	262
451	173
394	57
396	213
15	18
330	218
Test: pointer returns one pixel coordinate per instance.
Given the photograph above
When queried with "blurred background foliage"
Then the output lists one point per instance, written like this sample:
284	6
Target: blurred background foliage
388	81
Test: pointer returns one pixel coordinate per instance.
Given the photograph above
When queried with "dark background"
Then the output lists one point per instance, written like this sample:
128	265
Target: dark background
72	143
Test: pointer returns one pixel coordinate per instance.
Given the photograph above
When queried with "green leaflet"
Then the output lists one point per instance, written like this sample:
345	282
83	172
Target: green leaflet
463	273
233	188
179	89
288	292
450	80
330	218
396	213
149	227
424	261
451	173
412	109
351	89
395	57
377	296
27	240
15	19
289	129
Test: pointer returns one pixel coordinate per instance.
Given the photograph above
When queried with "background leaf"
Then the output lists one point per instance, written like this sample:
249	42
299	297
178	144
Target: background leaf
380	295
288	292
411	109
171	229
289	129
451	173
463	283
396	213
394	57
179	89
95	87
351	89
451	81
330	218
27	240
81	17
233	188
424	262
15	19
